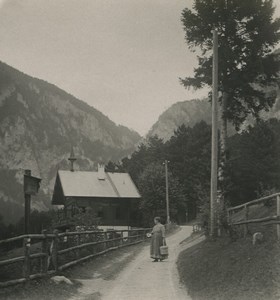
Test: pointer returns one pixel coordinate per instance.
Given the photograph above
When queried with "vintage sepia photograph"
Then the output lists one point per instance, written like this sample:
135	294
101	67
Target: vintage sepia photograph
140	149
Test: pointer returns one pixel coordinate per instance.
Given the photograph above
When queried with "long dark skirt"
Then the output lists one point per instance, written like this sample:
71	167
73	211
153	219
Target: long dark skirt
156	242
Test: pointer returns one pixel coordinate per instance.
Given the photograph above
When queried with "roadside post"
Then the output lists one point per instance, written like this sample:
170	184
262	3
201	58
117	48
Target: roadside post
214	144
31	186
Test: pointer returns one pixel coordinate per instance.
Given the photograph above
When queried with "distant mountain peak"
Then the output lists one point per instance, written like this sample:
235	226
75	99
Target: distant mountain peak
187	112
190	112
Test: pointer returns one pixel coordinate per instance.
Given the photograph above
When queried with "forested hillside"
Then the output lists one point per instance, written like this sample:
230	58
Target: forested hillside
252	170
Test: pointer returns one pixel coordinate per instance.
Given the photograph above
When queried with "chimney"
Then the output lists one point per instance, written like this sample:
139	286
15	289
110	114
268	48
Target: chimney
72	159
101	172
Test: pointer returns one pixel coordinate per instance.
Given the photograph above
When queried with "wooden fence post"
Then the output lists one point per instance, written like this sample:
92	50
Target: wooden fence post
44	247
55	250
246	226
26	264
78	243
121	240
228	217
66	239
91	238
115	235
278	215
105	239
128	236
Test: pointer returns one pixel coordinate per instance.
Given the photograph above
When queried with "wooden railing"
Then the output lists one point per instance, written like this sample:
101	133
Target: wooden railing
245	208
58	251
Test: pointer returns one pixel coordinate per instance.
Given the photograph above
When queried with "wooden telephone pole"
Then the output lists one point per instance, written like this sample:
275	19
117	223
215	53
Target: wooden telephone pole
167	196
214	149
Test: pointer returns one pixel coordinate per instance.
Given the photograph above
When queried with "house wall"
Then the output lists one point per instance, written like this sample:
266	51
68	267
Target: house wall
112	211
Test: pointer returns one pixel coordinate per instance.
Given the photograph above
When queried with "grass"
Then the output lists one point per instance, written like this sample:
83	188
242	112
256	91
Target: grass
226	270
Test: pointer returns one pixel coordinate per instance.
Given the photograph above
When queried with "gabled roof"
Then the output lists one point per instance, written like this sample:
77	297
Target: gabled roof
87	184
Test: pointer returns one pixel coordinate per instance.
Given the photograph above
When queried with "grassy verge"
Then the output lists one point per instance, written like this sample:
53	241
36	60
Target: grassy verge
225	270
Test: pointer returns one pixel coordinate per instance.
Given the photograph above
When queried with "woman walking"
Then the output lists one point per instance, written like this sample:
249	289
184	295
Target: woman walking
158	239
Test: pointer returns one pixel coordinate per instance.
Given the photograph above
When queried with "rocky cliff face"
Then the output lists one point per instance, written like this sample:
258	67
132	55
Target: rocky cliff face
194	111
38	125
185	112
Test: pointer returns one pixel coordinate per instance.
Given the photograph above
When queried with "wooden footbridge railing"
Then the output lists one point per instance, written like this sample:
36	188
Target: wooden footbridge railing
240	215
44	254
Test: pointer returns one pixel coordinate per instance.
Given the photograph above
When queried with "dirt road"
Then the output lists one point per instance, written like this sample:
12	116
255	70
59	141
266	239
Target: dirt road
141	278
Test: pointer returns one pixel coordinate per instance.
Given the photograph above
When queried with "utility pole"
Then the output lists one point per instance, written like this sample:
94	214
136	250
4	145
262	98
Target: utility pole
214	148
166	185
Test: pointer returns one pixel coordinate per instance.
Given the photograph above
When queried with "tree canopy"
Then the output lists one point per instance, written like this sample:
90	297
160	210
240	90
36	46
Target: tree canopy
188	153
254	163
253	169
153	190
247	65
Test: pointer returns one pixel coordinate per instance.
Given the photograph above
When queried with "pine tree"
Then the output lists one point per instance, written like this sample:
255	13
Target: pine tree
247	65
247	35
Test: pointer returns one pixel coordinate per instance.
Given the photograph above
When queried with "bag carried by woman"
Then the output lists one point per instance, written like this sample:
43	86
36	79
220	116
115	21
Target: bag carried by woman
164	249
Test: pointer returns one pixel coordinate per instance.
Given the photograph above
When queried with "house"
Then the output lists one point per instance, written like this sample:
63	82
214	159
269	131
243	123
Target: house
113	197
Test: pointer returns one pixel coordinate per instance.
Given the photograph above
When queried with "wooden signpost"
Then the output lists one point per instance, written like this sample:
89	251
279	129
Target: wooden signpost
31	186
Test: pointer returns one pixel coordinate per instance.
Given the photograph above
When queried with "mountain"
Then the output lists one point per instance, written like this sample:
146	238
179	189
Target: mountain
185	112
193	111
38	125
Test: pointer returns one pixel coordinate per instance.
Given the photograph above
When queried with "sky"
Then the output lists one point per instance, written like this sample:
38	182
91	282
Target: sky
123	57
